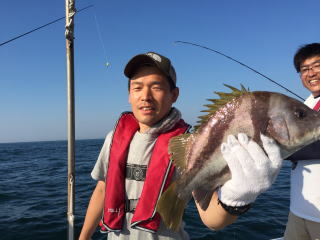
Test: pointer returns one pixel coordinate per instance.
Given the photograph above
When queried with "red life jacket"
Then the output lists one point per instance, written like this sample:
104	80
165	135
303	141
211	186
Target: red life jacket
159	173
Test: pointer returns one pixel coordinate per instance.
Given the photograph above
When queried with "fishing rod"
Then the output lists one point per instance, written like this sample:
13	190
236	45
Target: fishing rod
35	29
197	45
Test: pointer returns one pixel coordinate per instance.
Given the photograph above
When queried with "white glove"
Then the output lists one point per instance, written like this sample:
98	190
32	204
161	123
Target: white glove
252	170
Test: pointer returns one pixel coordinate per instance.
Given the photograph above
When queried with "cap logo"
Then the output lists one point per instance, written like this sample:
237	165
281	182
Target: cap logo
154	56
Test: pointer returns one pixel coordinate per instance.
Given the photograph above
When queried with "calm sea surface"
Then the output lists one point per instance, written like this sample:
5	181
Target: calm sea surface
33	196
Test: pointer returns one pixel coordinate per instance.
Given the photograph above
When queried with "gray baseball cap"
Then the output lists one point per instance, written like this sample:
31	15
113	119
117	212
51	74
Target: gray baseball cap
153	59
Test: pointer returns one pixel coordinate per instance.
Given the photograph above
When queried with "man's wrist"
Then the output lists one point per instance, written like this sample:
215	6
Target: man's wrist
236	211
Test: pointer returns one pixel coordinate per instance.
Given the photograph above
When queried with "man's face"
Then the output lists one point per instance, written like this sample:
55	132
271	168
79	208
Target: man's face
310	75
150	96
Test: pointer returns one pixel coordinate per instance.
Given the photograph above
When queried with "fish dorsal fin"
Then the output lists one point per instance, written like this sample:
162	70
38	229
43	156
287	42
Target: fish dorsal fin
217	103
178	150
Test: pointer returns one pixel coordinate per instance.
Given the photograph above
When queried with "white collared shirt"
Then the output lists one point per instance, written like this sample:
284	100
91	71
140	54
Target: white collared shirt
305	179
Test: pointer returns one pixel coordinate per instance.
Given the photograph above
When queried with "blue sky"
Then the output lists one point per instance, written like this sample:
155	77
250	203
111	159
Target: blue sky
33	97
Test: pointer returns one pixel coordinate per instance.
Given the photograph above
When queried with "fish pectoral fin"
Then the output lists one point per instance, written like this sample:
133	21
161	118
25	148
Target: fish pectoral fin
203	197
177	149
171	208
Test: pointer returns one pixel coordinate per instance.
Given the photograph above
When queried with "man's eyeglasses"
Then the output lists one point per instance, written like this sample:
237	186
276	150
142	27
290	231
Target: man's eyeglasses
315	67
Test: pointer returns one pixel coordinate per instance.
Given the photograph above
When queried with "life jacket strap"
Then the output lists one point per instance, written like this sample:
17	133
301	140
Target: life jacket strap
130	205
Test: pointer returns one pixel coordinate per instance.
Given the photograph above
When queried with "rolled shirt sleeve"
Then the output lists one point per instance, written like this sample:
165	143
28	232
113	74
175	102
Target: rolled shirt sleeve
100	168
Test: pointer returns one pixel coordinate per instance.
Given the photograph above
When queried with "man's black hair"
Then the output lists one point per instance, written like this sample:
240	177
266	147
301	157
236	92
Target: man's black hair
304	52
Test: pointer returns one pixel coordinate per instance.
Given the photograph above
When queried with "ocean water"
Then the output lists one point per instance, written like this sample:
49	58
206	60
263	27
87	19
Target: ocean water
33	196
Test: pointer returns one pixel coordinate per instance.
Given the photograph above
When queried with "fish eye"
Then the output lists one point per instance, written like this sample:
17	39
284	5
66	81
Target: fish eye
300	114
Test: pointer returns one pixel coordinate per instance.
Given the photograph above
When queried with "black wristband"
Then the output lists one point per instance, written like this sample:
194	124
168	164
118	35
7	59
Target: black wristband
237	211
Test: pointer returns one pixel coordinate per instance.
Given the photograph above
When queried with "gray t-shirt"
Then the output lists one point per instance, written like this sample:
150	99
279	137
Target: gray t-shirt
140	150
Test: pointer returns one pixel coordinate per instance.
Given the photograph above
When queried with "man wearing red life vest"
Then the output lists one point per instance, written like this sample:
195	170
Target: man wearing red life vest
304	216
134	168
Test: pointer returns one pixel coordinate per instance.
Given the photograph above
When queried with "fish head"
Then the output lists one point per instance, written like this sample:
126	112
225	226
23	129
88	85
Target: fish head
291	123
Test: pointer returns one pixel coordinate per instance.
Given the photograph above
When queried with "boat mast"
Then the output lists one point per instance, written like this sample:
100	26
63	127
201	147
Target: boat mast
69	33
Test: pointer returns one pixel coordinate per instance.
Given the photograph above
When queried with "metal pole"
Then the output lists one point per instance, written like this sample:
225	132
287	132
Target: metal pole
70	12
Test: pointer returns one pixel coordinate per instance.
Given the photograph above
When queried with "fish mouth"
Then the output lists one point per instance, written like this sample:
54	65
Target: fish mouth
316	134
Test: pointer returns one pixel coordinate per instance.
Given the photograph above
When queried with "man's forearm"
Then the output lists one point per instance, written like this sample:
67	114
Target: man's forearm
215	217
94	212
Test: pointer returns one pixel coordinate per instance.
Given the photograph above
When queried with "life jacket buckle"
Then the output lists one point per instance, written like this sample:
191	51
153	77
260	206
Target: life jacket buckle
130	205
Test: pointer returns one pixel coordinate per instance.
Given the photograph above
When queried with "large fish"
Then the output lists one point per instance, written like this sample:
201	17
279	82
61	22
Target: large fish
198	158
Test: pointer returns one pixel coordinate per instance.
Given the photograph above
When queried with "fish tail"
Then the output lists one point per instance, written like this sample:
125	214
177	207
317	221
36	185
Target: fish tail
171	208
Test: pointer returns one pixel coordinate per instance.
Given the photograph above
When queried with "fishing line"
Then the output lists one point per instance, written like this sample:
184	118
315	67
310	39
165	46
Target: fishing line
107	64
45	25
278	84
